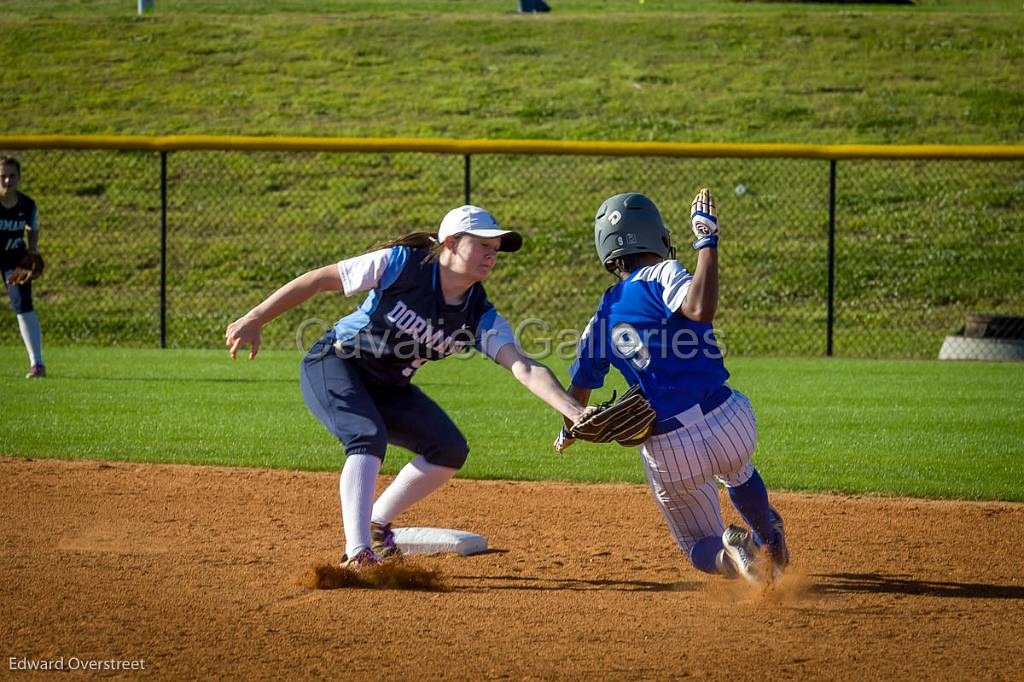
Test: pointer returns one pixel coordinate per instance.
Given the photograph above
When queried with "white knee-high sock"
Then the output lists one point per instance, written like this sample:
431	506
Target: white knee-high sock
356	489
28	323
416	480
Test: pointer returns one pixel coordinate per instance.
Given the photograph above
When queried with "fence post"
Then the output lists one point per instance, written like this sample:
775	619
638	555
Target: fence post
831	256
465	181
163	249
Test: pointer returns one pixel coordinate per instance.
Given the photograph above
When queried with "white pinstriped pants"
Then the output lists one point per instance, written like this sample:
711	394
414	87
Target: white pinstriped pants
682	467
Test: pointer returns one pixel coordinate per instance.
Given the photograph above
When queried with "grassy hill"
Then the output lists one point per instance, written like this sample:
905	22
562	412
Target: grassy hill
675	70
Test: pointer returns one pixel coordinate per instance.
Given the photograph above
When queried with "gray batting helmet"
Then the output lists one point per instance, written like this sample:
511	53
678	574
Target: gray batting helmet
629	223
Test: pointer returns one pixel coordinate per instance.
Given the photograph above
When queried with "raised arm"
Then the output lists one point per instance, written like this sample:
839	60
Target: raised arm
701	300
245	331
539	380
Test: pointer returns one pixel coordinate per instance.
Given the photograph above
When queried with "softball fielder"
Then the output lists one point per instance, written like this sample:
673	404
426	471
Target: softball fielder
19	234
426	301
655	327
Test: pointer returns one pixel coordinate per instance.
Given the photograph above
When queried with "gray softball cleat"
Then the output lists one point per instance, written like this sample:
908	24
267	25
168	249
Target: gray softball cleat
739	556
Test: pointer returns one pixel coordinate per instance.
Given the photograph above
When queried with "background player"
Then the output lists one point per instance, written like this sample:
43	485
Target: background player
19	234
426	302
655	326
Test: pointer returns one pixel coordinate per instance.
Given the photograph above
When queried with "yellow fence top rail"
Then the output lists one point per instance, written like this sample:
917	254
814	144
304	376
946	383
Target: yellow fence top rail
171	143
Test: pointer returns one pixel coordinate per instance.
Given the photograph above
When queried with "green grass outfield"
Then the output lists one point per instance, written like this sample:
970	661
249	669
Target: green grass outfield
922	429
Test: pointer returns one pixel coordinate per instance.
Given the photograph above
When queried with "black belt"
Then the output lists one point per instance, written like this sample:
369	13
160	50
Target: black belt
717	397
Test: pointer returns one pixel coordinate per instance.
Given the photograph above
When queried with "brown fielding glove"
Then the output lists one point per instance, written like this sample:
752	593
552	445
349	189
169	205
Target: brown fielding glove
626	421
27	269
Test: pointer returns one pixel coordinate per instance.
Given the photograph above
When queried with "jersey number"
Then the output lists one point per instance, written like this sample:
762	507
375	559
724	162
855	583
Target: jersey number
630	346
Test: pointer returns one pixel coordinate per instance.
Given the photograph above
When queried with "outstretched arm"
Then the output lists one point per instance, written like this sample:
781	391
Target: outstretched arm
540	381
580	395
245	331
563	440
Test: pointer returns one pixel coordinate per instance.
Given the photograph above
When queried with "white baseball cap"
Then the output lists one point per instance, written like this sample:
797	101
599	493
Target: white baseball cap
479	223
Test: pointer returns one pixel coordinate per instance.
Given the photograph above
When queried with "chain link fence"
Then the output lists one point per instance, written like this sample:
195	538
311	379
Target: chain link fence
927	256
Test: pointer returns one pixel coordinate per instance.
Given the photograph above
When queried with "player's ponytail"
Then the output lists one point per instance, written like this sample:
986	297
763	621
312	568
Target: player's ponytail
416	240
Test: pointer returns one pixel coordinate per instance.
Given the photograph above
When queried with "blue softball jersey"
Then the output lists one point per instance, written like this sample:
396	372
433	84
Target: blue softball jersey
637	329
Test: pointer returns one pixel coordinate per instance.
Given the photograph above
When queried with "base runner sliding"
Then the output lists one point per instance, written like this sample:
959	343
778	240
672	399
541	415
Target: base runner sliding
655	326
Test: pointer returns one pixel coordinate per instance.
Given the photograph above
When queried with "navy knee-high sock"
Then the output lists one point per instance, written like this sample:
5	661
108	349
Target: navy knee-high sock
751	501
704	552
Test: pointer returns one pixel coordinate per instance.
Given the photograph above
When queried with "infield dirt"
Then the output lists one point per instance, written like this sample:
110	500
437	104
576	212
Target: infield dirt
195	571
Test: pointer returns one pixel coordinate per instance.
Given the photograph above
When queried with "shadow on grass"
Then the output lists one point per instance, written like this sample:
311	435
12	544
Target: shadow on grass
876	583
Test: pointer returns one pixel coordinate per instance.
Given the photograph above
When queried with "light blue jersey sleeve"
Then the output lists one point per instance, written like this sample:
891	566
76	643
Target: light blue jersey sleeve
493	333
591	364
377	269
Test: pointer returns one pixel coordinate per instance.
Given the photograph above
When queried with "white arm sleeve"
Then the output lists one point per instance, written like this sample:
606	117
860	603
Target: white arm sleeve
493	334
365	272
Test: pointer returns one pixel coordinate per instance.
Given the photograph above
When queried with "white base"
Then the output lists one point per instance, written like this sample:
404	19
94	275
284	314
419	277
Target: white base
439	541
964	348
